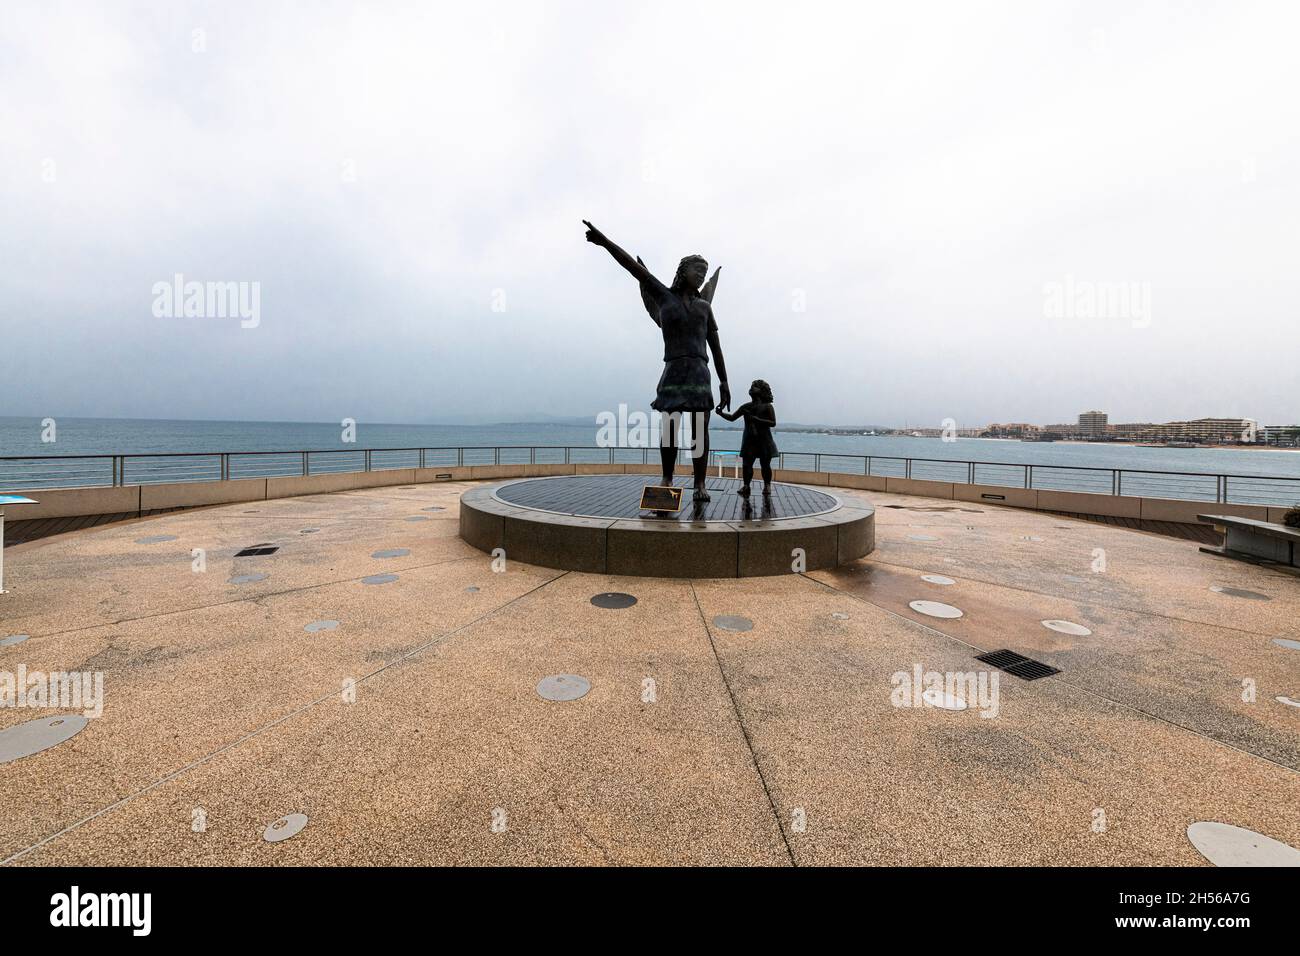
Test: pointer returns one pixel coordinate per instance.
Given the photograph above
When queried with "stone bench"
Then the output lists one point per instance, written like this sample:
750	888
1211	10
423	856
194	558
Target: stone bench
1251	540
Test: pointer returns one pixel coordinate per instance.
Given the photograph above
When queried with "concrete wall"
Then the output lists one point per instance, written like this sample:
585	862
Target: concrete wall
445	473
800	477
184	494
1167	509
71	502
919	486
1085	503
861	482
996	495
344	481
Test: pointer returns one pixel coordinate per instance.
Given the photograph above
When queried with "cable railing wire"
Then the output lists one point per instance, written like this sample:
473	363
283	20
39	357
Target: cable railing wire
50	472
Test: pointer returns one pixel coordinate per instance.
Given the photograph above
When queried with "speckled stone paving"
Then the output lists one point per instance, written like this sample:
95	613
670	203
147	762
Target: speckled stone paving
413	732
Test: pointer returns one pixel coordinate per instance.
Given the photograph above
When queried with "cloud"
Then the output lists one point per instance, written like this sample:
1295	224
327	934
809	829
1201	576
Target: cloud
393	175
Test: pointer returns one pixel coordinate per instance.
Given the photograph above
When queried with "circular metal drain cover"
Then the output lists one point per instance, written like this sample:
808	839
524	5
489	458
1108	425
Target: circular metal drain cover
156	539
613	600
285	827
563	687
1279	641
1225	845
1067	627
249	578
23	740
1241	593
935	609
434	508
13	639
315	626
923	537
937	579
392	553
379	579
942	700
731	622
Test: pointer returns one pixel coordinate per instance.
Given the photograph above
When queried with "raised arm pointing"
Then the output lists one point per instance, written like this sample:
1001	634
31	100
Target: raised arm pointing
637	269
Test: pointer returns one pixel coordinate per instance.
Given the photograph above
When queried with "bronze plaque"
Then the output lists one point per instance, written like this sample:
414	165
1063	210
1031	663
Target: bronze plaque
661	498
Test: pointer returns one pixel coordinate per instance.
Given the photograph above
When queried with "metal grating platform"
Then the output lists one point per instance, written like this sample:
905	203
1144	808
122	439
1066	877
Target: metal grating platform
1017	665
619	496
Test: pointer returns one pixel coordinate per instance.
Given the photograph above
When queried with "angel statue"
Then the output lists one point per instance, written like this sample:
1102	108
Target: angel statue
684	313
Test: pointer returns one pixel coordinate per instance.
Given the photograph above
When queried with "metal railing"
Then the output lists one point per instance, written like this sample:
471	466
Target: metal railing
34	473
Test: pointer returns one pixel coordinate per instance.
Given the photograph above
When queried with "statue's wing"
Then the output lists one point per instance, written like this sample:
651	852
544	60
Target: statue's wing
706	291
648	299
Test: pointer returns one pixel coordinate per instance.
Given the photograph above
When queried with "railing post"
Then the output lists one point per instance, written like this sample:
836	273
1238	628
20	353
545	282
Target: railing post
306	465
868	464
907	468
1026	475
1119	481
817	463
970	473
496	455
460	457
421	457
367	459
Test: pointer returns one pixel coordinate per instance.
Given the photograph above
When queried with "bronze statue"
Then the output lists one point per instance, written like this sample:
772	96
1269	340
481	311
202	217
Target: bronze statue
757	441
684	314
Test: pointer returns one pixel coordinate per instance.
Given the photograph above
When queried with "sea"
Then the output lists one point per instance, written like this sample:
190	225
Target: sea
1257	475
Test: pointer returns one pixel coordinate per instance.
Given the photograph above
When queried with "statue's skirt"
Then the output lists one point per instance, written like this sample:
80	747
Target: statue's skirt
685	386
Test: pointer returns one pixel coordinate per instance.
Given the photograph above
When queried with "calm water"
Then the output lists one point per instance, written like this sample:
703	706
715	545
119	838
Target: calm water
1057	465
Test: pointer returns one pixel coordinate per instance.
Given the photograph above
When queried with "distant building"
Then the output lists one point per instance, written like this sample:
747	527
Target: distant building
1133	431
1210	431
1285	436
1012	430
1063	430
1092	424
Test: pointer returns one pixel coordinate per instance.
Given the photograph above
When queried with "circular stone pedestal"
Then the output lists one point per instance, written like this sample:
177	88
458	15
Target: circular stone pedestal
594	523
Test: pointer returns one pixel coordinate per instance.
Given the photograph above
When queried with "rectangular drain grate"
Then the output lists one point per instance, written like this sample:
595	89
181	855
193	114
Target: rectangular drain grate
257	551
1017	665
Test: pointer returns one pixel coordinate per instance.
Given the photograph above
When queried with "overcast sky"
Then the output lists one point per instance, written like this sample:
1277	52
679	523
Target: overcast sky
898	195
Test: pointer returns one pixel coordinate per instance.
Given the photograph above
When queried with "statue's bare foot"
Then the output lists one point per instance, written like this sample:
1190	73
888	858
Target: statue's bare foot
702	493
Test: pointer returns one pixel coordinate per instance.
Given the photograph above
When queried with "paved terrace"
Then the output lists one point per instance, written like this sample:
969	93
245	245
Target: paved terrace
771	745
